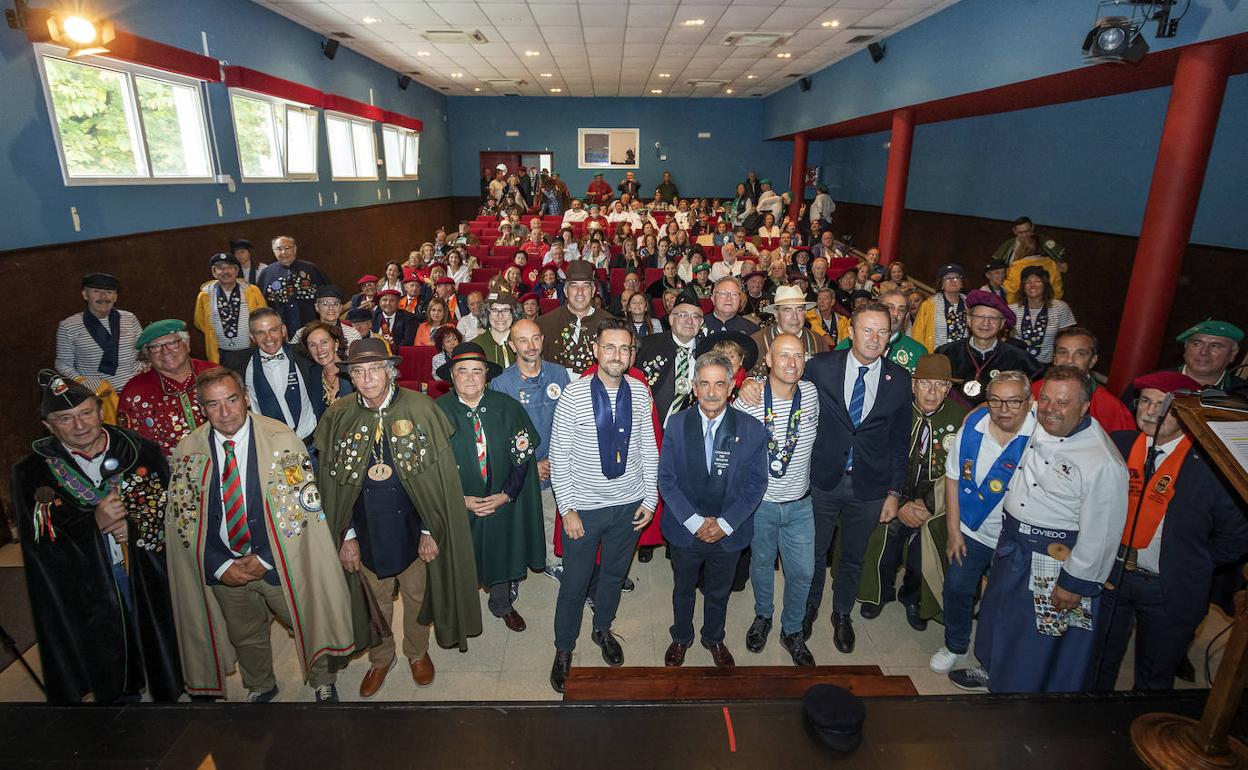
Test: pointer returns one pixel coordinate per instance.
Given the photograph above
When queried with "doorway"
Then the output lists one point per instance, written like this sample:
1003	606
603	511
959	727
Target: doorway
515	160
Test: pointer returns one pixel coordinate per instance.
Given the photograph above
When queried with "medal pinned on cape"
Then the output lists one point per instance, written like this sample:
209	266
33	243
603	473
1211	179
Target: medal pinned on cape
682	387
972	388
379	471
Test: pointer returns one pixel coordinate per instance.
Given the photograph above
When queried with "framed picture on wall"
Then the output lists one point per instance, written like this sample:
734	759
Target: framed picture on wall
608	147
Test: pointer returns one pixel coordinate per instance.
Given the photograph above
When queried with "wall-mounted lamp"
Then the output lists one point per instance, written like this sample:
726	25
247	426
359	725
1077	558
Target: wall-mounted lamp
79	34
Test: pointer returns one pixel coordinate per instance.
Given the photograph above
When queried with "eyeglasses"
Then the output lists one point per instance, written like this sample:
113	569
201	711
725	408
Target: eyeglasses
933	385
612	349
1008	403
500	311
368	369
682	314
156	347
1147	403
727	293
981	317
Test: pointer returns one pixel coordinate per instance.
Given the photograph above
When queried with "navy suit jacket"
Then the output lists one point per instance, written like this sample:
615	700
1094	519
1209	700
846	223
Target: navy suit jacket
747	482
881	443
1204	528
403	329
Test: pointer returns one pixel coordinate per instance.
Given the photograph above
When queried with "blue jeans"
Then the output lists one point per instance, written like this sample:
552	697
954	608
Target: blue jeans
787	528
961	585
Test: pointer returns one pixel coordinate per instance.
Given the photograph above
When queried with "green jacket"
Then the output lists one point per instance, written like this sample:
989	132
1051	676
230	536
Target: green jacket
902	350
511	540
420	437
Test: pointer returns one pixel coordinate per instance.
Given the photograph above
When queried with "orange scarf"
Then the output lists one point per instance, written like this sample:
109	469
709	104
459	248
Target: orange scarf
1160	490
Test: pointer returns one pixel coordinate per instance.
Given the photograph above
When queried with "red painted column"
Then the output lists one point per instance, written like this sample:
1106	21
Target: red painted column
797	176
1191	120
901	139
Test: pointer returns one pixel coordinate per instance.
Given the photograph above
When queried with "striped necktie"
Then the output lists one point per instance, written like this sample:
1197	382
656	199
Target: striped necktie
235	509
856	402
479	433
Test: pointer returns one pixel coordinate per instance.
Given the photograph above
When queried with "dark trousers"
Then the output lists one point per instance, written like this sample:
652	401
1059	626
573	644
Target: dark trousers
612	528
856	519
500	597
235	359
716	569
901	541
961	586
1160	643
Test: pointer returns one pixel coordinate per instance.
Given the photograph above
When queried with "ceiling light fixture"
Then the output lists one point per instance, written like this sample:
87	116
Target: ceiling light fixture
694	22
532	53
371	20
457	74
665	74
784	56
477	88
750	77
1115	39
423	53
656	90
727	90
831	24
81	36
545	75
556	90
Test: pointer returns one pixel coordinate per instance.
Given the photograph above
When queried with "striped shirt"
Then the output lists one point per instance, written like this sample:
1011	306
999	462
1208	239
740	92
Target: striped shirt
575	470
795	482
1060	316
77	355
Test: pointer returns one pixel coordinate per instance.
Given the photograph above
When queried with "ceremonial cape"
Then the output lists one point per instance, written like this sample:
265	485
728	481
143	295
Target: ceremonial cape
304	553
512	539
420	437
153	407
89	641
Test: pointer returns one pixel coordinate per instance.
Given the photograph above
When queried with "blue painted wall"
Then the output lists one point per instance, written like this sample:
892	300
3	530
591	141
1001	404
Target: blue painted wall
37	210
970	46
1085	165
700	167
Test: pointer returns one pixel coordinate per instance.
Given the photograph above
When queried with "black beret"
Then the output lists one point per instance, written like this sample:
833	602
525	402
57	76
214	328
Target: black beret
834	716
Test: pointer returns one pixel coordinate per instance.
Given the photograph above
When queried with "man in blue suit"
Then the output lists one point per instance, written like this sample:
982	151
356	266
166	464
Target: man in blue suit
862	445
1182	522
712	476
281	383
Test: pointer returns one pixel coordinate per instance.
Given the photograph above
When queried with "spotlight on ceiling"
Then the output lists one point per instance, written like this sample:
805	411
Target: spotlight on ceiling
329	48
1115	39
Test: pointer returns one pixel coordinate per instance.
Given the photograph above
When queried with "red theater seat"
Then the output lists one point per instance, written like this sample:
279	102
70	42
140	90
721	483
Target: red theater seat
548	305
504	251
657	308
416	365
467	287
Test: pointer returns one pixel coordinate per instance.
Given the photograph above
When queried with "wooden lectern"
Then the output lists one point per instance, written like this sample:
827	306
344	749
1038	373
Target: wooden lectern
1173	742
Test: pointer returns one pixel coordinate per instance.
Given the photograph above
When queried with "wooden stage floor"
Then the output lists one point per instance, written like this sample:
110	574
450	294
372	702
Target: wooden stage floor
914	733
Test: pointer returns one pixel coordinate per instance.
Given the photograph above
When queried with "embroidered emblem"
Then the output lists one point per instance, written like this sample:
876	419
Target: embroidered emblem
310	497
553	391
996	486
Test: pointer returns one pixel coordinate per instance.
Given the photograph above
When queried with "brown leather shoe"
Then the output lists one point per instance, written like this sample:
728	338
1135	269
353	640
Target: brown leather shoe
422	670
675	655
514	621
720	654
374	679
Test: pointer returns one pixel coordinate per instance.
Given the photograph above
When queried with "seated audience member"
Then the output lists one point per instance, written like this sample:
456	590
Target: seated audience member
472	321
1209	351
413	298
396	327
669	281
727	299
445	339
531	304
366	297
637	313
501	311
222	309
1039	316
987	349
435	319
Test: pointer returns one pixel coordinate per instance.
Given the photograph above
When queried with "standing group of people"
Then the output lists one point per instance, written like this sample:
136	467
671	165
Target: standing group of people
199	500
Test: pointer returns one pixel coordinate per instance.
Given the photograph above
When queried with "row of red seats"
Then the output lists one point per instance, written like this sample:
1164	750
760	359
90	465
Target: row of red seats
484	250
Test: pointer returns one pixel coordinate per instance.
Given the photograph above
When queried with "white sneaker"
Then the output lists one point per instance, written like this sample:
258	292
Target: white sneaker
943	661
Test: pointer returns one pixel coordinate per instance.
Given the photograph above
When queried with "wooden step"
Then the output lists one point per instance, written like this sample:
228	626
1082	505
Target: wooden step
693	683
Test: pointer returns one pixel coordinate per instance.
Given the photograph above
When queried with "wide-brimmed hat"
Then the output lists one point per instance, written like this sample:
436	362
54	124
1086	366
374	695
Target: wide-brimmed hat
935	366
746	342
787	296
468	351
369	350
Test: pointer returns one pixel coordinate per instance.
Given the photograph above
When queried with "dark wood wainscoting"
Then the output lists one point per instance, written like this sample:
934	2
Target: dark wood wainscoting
1100	267
161	272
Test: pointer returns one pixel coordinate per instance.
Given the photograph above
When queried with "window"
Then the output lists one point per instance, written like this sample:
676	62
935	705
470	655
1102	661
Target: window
119	123
608	147
402	147
352	147
276	138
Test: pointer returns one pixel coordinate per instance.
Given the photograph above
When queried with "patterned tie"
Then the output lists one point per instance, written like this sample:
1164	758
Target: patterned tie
384	330
235	510
709	438
1150	462
479	432
274	357
855	407
682	365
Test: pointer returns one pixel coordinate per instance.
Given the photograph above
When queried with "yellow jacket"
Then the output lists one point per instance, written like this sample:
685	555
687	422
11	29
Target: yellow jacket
923	330
1013	282
816	324
203	314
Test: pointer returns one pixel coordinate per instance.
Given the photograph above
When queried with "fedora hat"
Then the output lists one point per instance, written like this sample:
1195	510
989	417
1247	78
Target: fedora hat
788	295
468	351
935	366
369	350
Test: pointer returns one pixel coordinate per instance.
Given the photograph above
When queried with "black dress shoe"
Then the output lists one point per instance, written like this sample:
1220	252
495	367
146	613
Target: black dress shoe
612	653
756	637
514	621
912	617
675	655
843	632
720	654
808	623
645	553
796	647
870	611
559	671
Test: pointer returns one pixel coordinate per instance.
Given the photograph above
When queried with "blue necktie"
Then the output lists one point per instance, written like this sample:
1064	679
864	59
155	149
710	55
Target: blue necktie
856	403
710	443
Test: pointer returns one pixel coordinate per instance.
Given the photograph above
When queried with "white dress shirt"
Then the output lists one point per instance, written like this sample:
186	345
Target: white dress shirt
694	522
93	469
242	458
277	373
871	381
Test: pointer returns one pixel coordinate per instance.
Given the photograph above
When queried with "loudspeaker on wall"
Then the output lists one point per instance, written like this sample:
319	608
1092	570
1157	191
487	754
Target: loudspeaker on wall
877	52
330	48
804	84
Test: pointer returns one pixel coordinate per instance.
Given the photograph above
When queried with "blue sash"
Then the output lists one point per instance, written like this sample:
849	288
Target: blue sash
976	502
108	339
614	431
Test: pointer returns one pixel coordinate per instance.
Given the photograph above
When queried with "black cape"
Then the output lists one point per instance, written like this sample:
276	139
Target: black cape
89	640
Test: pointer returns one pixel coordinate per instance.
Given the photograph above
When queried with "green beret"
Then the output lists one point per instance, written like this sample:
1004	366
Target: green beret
159	329
1214	328
764	181
702	268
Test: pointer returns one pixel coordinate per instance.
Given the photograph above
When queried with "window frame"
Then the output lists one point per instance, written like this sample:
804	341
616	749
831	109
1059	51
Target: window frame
582	163
352	121
44	51
403	135
283	148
